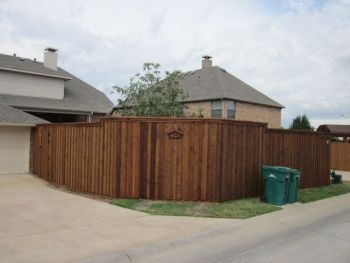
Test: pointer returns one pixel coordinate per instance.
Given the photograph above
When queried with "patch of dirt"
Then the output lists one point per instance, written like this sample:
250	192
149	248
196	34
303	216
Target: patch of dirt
198	208
146	204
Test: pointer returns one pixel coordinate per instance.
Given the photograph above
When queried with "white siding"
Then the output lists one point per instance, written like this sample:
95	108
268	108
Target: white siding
30	85
14	150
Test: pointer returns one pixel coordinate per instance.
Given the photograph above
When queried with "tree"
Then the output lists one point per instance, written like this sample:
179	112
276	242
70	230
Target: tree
301	123
148	94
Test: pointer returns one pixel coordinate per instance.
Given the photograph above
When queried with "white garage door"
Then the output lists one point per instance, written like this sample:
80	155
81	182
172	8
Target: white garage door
14	149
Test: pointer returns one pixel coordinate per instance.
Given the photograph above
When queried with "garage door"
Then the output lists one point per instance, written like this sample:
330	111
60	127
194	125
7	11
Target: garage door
14	149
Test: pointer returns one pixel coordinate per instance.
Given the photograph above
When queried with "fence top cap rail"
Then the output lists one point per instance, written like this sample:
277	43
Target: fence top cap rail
61	124
296	131
182	119
158	119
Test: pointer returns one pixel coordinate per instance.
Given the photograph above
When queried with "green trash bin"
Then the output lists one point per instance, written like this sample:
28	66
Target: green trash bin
276	183
293	186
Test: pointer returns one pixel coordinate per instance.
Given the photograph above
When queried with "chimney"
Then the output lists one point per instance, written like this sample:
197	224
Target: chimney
207	62
50	58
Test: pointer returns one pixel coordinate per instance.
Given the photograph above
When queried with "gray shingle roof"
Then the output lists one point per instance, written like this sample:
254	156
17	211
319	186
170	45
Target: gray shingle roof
216	83
15	116
79	97
27	65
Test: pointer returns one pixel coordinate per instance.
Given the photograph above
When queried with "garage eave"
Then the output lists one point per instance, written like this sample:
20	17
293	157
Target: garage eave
17	124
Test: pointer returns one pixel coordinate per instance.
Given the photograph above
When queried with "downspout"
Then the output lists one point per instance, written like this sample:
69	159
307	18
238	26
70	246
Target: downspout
223	109
89	117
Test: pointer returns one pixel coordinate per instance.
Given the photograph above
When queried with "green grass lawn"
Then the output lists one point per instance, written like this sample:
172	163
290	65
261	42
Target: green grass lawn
317	193
239	209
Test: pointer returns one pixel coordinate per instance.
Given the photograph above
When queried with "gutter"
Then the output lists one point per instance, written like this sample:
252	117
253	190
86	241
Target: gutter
35	73
54	110
18	124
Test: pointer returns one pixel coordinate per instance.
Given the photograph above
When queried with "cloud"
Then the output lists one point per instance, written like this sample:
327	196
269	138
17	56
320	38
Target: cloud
294	51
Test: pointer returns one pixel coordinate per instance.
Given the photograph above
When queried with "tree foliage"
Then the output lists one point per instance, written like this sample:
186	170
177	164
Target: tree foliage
148	94
301	123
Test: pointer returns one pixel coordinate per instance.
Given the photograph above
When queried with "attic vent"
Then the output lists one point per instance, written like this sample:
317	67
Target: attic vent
21	59
14	54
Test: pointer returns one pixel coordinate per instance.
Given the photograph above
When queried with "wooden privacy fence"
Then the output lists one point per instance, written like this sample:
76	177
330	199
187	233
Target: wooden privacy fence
305	151
173	159
340	156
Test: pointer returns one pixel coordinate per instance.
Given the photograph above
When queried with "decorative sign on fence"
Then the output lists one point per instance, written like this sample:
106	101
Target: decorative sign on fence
175	135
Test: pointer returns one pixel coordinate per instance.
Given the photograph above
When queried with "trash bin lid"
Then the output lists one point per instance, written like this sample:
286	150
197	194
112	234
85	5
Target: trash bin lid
277	177
276	168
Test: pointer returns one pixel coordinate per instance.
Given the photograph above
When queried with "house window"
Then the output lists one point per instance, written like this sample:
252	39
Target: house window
231	109
216	109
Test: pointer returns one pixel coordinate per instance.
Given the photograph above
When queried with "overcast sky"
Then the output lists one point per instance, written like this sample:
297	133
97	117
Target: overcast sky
295	51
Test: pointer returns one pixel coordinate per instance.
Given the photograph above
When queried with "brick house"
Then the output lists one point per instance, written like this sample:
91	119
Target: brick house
215	93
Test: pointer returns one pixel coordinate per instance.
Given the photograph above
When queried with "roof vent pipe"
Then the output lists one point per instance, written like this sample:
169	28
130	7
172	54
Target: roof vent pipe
207	61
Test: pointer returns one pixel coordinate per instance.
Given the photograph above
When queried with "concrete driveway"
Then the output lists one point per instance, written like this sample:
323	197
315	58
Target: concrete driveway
41	224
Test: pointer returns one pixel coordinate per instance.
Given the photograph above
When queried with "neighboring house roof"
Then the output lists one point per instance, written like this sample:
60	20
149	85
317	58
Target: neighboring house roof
9	115
79	97
28	66
216	83
335	129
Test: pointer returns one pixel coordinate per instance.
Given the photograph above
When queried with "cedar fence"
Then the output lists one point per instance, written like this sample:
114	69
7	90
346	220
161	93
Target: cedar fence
173	158
340	156
305	151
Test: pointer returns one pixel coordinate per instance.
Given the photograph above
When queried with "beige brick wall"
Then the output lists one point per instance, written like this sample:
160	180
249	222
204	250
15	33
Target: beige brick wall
194	108
244	111
253	112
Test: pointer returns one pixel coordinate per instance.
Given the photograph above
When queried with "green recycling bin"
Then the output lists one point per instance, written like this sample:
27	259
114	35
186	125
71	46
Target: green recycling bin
293	186
276	183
